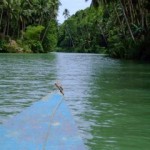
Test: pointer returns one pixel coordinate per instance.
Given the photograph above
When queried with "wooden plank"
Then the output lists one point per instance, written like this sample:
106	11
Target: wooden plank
46	125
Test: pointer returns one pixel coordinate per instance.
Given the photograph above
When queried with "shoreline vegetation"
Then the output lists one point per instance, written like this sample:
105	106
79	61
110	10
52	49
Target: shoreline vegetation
119	28
28	26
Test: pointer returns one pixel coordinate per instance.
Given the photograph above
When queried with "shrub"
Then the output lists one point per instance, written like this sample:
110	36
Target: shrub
36	47
50	39
33	33
2	44
12	47
32	38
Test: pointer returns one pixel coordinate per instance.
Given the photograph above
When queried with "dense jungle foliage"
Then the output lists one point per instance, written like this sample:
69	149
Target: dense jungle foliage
120	28
28	25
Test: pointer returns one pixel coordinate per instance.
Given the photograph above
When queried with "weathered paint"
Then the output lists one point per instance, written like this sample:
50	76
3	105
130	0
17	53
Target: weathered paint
46	125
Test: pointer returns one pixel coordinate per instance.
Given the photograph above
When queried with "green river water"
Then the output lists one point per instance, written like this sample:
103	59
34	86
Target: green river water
109	99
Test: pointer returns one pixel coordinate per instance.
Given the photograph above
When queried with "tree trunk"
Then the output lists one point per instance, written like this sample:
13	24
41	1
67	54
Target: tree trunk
8	23
127	22
121	24
103	34
46	30
5	27
1	17
70	36
131	10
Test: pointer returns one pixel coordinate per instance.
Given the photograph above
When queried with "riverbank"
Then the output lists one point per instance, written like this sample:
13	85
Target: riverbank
13	47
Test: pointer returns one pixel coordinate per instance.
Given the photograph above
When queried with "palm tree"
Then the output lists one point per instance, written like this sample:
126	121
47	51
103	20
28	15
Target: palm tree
66	14
127	21
96	4
1	9
51	14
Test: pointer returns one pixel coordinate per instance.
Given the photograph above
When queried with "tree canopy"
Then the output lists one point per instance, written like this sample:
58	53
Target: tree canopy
120	28
17	15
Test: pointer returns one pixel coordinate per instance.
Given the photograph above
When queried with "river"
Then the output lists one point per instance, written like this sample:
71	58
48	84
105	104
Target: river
109	99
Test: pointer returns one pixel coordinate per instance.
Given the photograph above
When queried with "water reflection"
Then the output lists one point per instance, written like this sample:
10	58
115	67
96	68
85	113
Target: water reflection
121	99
